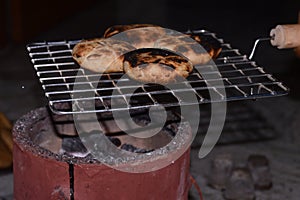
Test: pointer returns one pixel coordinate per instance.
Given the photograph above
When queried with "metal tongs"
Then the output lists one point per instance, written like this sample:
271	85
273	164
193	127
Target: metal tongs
282	36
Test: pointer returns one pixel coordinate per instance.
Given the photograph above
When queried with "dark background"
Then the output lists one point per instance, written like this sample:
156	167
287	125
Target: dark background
25	20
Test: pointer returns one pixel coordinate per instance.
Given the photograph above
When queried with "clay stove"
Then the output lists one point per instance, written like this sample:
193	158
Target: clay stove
47	166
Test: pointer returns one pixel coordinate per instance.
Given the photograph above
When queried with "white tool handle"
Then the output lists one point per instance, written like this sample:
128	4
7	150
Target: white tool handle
286	36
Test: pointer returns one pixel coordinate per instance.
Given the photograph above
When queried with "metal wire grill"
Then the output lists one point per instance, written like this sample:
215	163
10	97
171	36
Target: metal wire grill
70	88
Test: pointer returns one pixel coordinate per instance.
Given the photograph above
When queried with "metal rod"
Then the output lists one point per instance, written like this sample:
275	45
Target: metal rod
256	43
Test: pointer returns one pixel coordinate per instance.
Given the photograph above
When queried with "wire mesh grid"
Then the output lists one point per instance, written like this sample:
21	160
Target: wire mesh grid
71	89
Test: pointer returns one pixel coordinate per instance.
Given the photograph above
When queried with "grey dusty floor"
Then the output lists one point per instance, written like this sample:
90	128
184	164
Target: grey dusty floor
20	91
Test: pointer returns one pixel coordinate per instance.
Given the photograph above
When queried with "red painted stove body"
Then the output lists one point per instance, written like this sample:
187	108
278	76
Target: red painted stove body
38	177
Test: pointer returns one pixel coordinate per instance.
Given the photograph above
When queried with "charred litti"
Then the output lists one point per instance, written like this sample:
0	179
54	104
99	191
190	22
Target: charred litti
198	48
208	42
113	30
150	65
101	55
138	35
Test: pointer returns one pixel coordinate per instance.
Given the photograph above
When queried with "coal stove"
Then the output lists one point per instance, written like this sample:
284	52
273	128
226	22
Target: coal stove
49	164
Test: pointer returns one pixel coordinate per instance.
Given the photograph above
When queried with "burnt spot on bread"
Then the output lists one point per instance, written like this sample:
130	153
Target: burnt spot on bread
154	65
182	48
208	42
76	55
144	56
121	28
80	50
177	59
